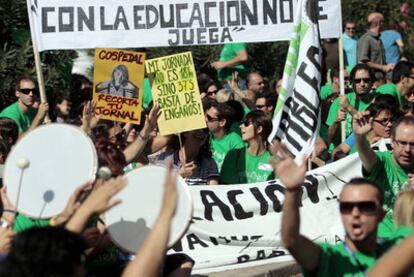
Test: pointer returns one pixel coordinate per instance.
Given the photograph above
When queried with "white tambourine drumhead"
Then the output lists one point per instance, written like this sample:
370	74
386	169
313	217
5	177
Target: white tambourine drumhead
59	158
129	222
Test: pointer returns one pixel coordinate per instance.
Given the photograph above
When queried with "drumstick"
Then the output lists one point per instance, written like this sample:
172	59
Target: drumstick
22	164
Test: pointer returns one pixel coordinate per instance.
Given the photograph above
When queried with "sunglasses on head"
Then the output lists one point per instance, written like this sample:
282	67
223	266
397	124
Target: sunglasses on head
28	90
363	207
358	80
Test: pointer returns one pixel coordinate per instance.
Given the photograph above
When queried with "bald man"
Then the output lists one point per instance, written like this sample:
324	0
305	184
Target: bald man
370	49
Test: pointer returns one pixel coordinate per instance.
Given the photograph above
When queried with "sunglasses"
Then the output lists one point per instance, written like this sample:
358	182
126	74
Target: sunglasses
358	80
28	90
212	119
363	207
260	106
350	28
213	92
384	122
246	123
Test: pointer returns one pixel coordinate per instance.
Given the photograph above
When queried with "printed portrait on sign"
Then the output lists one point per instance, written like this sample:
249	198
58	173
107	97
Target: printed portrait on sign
119	84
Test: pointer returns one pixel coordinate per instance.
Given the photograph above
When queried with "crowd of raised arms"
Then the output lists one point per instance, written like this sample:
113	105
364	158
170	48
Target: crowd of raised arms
377	209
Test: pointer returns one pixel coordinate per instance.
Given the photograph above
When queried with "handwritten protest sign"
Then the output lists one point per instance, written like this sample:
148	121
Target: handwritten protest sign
175	89
118	82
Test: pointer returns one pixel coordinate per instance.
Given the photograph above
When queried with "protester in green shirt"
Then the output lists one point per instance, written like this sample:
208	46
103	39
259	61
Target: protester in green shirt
22	111
402	81
233	57
219	118
389	170
250	164
360	204
342	108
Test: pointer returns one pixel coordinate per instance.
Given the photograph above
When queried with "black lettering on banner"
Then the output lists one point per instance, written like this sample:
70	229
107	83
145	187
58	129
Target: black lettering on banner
277	253
175	42
66	27
264	206
121	18
242	259
311	185
270	192
239	213
283	18
320	10
178	8
337	239
261	255
104	27
151	8
163	22
207	7
46	28
193	240
138	18
236	8
196	16
269	12
246	13
311	54
178	246
209	200
83	19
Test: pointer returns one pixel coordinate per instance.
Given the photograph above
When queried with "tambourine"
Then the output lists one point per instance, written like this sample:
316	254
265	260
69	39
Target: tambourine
46	166
129	223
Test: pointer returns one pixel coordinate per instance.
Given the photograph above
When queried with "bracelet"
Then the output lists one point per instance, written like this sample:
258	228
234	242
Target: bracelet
8	211
142	137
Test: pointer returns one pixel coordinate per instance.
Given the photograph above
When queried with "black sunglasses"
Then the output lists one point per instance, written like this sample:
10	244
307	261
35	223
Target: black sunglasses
363	207
28	90
358	80
261	106
211	119
246	123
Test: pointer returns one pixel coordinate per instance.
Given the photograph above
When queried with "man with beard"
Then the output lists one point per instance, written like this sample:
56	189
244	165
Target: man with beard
360	205
393	170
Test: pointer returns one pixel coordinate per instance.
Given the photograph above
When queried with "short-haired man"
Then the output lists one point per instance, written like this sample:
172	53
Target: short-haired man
370	48
255	85
342	107
402	81
360	205
392	171
219	118
22	111
266	102
350	41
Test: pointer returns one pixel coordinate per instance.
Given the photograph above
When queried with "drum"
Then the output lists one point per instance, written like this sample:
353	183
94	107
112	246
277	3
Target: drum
129	222
46	166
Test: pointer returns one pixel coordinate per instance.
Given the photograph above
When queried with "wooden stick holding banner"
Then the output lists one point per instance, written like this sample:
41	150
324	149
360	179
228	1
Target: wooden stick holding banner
38	63
341	82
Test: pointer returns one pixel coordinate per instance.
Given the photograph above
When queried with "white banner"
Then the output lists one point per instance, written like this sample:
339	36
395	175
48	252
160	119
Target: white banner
239	225
297	115
82	24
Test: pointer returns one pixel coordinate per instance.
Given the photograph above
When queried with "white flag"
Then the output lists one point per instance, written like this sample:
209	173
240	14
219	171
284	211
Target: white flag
297	116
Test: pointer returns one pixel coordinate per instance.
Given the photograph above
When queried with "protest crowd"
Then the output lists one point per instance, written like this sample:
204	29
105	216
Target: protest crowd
236	147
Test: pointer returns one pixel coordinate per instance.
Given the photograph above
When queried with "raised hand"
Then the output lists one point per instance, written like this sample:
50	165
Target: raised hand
291	175
169	202
151	120
6	236
89	118
362	123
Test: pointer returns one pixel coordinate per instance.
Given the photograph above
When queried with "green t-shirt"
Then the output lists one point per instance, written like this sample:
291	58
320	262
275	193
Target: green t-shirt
228	52
391	89
326	91
241	167
359	105
391	179
23	223
336	260
220	146
22	119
